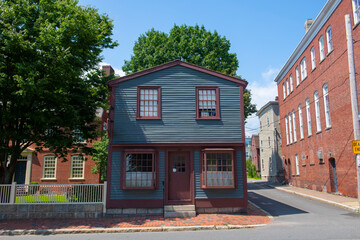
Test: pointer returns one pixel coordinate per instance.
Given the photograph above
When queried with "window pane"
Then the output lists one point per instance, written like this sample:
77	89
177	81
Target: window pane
207	103
139	170
219	171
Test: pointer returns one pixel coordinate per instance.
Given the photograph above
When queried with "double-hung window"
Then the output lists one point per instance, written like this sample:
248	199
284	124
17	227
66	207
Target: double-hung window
321	48
148	102
297	165
297	76
207	103
284	91
77	167
294	125
356	10
290	129
317	111
49	167
139	170
308	116
287	130
218	170
312	53
287	87
291	83
303	69
329	40
301	123
326	106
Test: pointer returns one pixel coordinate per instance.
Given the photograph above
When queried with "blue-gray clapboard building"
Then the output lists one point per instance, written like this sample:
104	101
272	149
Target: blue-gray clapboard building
177	138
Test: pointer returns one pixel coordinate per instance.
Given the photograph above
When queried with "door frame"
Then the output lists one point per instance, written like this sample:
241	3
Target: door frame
191	169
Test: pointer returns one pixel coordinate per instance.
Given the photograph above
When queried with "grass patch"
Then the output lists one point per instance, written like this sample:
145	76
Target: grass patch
42	199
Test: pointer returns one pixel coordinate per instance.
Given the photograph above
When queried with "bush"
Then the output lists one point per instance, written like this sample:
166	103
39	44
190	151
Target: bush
251	169
34	189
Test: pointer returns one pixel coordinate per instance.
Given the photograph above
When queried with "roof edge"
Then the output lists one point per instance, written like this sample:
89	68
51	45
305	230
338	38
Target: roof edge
265	106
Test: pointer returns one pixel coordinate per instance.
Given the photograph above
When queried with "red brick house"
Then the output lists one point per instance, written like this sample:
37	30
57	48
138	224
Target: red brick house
255	151
314	101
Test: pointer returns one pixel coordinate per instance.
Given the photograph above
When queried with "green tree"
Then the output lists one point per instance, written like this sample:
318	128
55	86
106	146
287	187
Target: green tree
100	156
190	44
50	86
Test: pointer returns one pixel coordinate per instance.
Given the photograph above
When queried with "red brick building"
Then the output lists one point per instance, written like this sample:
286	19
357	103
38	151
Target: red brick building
314	101
255	151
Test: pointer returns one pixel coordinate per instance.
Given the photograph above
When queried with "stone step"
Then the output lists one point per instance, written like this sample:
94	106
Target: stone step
180	214
179	208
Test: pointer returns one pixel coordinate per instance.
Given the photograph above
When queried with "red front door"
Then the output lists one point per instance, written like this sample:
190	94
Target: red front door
179	178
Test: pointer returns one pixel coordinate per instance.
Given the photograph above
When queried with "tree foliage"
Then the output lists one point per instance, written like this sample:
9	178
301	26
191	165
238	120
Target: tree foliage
50	86
100	156
192	44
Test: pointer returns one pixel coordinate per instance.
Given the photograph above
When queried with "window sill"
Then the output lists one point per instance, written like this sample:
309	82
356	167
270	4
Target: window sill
148	118
312	164
318	132
48	179
328	128
76	179
313	69
139	188
304	79
321	162
301	139
321	60
304	165
330	52
218	187
208	118
309	135
356	24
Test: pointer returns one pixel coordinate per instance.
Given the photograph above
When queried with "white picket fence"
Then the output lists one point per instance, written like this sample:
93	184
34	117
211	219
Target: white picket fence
53	193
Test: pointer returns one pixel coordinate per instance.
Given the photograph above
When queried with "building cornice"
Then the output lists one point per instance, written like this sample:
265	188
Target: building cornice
262	109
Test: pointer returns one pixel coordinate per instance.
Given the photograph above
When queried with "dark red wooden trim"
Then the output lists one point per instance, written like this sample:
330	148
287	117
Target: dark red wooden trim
236	145
217	99
221	202
158	88
135	203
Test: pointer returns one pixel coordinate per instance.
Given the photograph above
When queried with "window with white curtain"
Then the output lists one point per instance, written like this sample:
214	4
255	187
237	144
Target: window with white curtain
317	111
326	106
301	123
297	76
321	48
329	39
290	129
303	70
287	87
287	131
308	116
291	83
312	53
294	125
284	91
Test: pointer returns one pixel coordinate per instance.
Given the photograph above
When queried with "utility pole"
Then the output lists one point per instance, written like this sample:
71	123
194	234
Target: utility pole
353	92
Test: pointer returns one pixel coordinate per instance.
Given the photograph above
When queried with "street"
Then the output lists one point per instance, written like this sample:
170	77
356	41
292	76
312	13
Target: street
295	217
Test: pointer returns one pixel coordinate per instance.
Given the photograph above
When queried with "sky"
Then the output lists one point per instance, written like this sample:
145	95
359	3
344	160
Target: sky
262	33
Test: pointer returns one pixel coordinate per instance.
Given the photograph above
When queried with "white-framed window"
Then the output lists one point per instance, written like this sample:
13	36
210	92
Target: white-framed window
297	76
326	106
321	48
290	129
287	130
268	120
77	167
291	83
312	53
301	123
49	167
308	116
329	40
284	91
317	111
294	125
287	87
297	164
303	70
356	10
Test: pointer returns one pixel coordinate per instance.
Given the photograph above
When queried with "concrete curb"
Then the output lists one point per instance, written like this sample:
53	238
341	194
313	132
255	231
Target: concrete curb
317	198
267	214
123	230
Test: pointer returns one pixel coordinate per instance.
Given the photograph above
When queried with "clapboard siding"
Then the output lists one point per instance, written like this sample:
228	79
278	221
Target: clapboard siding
201	193
115	189
178	123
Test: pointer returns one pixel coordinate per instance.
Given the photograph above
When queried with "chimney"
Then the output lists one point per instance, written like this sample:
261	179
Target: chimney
308	24
277	98
108	70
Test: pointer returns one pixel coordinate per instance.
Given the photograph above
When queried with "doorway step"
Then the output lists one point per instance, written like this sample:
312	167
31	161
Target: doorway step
179	211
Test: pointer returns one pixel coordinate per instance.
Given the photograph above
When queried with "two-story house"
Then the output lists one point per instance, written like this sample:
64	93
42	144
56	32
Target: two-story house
315	106
176	139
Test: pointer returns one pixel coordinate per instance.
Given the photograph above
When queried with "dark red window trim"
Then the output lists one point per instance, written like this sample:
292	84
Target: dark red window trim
217	110
139	88
155	171
203	168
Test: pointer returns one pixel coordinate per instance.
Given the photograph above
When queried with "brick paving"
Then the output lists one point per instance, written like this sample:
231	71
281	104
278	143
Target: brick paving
254	216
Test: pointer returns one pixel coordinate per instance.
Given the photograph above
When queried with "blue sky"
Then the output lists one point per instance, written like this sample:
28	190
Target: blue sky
262	33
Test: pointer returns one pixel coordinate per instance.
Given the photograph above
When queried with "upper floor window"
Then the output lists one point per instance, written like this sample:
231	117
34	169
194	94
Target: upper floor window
269	140
260	125
148	102
301	123
284	91
294	125
77	167
329	39
291	83
321	48
207	103
286	129
49	167
139	170
326	106
218	169
268	120
287	87
297	76
308	116
356	10
317	111
290	129
303	69
312	53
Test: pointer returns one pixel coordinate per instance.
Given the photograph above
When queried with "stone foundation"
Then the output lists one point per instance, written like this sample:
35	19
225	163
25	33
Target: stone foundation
221	210
131	212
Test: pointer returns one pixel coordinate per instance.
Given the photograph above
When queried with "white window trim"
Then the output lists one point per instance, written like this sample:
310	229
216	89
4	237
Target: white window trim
43	169
301	123
284	91
326	106
329	41
356	11
287	130
303	70
317	111
287	87
312	53
321	48
297	76
297	165
294	125
290	129
291	83
308	117
71	169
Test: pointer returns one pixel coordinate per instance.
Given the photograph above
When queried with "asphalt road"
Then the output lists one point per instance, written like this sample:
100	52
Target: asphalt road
295	217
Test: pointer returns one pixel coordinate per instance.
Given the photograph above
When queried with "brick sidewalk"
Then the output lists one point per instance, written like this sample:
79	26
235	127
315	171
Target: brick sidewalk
253	217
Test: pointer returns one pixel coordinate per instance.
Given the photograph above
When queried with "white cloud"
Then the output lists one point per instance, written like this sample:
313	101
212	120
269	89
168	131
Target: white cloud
118	71
261	92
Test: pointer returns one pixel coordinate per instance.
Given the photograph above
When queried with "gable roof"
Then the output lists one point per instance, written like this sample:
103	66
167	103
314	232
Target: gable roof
115	81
